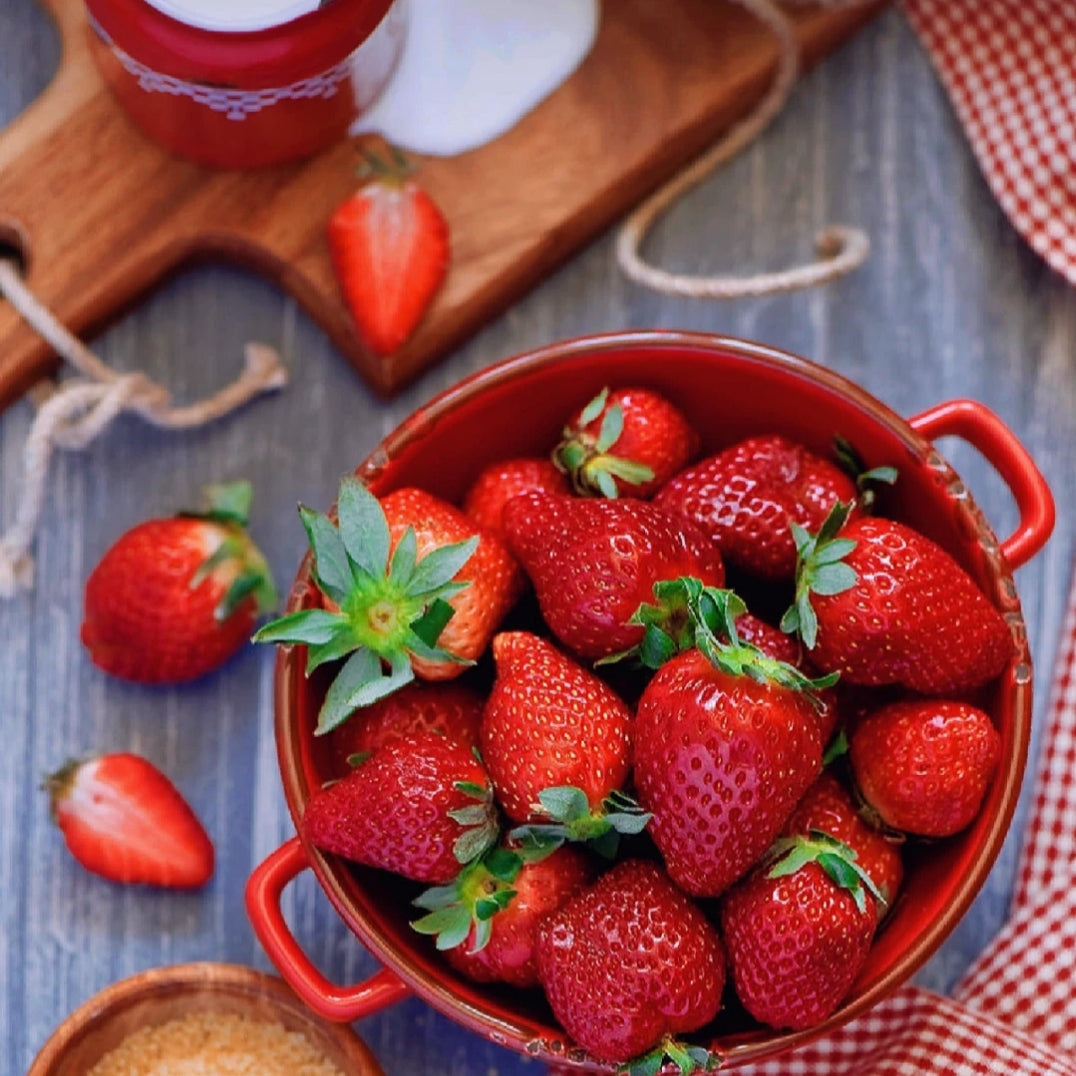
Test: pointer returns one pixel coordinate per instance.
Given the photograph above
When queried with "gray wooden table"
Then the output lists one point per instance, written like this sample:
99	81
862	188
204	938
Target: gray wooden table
951	303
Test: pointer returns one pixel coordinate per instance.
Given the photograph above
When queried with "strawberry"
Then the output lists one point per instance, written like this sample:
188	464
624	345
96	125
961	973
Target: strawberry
498	483
124	820
420	806
923	766
452	709
627	442
827	807
487	921
389	244
880	603
593	562
173	599
630	962
556	742
726	742
745	497
798	929
408	583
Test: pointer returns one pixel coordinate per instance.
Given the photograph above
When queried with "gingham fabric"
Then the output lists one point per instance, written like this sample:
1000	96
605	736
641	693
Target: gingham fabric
1014	1013
1009	67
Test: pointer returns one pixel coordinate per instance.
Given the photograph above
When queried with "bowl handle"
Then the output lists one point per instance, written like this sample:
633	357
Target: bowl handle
981	428
336	1003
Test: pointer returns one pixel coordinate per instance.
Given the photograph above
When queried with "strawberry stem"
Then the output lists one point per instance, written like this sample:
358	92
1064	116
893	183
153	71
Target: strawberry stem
820	569
584	457
571	819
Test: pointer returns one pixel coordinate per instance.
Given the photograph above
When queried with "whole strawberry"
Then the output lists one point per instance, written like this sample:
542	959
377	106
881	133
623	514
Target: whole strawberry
410	587
389	244
746	496
726	742
486	922
450	708
173	599
421	806
879	603
498	483
556	741
123	819
827	807
923	766
594	562
629	963
627	443
798	930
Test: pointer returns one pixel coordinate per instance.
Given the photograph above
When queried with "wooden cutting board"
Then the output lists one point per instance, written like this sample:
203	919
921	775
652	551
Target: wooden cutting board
101	215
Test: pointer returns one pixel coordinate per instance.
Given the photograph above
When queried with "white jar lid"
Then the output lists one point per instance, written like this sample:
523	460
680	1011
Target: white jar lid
232	16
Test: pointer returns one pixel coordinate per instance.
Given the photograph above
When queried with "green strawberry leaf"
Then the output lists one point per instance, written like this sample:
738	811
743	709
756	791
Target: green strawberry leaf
592	410
440	567
228	502
833	578
837	747
429	626
312	627
332	569
404	558
340	645
361	681
605	483
450	926
820	569
364	531
611	428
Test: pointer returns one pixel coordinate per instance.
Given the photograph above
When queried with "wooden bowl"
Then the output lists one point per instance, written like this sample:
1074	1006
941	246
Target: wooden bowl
163	994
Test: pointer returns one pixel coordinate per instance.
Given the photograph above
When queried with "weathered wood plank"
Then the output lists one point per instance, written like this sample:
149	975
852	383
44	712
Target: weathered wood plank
950	304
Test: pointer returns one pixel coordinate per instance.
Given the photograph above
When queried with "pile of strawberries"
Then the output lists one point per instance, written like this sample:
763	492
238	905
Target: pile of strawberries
552	709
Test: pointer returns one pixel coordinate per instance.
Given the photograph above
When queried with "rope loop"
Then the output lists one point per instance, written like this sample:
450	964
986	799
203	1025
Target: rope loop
71	414
841	249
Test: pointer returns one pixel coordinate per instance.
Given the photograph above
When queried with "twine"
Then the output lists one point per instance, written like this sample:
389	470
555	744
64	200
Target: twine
841	249
72	414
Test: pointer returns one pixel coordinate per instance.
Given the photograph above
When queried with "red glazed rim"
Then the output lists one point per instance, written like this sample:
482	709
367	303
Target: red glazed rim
252	59
432	980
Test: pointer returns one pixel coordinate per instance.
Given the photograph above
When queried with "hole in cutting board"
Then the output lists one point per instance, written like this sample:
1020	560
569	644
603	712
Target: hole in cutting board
13	247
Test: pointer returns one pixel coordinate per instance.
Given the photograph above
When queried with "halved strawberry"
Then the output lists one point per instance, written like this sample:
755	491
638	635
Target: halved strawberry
123	819
389	244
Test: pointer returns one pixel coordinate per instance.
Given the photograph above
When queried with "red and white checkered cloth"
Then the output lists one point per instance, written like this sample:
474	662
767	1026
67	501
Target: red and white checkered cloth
1009	67
1014	1013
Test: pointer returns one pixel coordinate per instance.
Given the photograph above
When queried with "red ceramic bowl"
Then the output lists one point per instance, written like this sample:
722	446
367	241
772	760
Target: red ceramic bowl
730	389
247	98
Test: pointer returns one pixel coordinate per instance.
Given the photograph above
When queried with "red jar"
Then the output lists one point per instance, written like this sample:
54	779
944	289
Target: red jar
267	92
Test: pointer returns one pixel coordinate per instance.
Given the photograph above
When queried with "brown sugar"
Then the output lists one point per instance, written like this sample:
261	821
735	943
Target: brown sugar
215	1044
